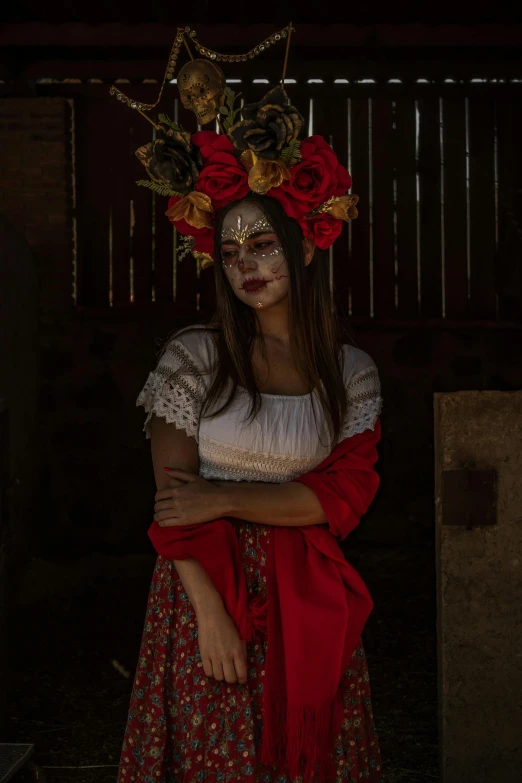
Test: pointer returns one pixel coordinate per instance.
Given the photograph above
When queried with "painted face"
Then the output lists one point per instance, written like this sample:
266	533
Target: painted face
252	257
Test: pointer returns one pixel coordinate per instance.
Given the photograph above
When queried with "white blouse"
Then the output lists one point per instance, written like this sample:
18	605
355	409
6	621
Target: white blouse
288	437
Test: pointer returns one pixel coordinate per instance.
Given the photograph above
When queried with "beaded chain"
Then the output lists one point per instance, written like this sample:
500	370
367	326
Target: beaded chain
205	52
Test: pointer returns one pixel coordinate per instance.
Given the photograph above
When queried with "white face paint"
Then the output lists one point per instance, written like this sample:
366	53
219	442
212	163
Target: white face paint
252	257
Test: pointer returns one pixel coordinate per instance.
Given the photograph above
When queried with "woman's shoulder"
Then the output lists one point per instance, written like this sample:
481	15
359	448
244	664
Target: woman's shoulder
194	347
359	370
363	389
356	360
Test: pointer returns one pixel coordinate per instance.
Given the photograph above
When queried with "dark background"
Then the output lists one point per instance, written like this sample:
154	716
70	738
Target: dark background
77	484
269	12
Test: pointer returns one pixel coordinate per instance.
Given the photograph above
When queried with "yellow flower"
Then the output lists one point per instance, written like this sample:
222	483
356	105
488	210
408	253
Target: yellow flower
263	173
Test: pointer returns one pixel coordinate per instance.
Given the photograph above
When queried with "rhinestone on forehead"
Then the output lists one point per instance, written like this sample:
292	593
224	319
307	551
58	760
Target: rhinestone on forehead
261	225
240	234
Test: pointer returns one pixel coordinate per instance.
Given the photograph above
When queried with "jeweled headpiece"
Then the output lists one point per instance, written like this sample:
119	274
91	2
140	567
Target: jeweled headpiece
260	153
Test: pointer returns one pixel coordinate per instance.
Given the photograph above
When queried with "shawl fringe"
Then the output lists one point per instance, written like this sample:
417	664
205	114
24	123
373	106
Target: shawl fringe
298	740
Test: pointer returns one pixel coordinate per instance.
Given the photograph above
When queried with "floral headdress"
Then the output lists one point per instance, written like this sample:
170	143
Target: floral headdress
260	153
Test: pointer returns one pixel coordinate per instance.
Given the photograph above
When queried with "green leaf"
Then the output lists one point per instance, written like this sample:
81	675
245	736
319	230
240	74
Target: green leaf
232	99
292	154
161	190
230	113
165	119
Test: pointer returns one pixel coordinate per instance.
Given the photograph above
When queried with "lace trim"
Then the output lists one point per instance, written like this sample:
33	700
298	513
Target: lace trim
230	463
182	357
173	391
364	403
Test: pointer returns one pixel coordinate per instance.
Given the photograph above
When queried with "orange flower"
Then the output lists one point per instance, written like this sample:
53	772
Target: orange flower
344	207
195	209
339	207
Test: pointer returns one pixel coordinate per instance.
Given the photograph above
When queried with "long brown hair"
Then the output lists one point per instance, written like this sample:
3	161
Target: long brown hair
315	333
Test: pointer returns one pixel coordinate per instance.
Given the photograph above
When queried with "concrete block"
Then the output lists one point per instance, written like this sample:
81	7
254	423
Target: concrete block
479	575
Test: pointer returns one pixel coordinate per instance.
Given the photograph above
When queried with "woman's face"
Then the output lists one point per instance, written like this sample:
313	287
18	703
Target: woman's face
252	257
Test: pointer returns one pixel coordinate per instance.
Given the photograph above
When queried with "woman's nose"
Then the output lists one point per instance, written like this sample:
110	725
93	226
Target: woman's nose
246	257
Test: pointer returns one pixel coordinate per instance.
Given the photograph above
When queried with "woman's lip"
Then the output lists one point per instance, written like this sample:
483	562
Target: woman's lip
254	286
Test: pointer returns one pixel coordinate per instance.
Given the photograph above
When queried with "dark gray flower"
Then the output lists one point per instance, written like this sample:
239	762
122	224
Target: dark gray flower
268	126
171	159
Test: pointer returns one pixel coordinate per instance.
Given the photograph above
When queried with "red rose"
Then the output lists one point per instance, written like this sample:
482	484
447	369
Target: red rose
222	177
204	236
316	178
322	229
210	142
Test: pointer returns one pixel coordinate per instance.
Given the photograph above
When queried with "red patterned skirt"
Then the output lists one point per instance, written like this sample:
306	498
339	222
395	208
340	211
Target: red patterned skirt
185	728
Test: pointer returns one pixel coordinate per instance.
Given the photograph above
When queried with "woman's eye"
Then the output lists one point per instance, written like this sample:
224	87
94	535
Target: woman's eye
263	245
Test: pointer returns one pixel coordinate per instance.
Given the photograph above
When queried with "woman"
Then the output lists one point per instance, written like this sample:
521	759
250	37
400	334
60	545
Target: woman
264	425
196	710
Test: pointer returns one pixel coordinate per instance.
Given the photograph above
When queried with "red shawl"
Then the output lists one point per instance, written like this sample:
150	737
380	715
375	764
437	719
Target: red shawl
316	607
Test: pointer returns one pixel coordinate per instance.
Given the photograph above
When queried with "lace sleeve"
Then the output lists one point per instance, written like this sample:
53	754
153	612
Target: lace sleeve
174	390
364	401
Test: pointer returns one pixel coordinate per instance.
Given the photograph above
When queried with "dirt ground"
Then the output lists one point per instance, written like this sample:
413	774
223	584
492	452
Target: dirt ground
70	700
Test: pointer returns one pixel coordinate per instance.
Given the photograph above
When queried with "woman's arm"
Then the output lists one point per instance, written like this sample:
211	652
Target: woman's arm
223	653
174	447
282	505
338	493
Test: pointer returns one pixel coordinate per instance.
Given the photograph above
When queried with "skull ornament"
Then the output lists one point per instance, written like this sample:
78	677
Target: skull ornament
202	87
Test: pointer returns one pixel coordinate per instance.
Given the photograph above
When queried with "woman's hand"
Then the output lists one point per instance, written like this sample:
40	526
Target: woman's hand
223	653
188	500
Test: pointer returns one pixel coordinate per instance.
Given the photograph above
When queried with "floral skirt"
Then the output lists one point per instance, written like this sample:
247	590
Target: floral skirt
183	727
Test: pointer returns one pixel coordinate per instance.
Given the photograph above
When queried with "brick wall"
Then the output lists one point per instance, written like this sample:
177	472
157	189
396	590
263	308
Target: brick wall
35	186
35	268
19	392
